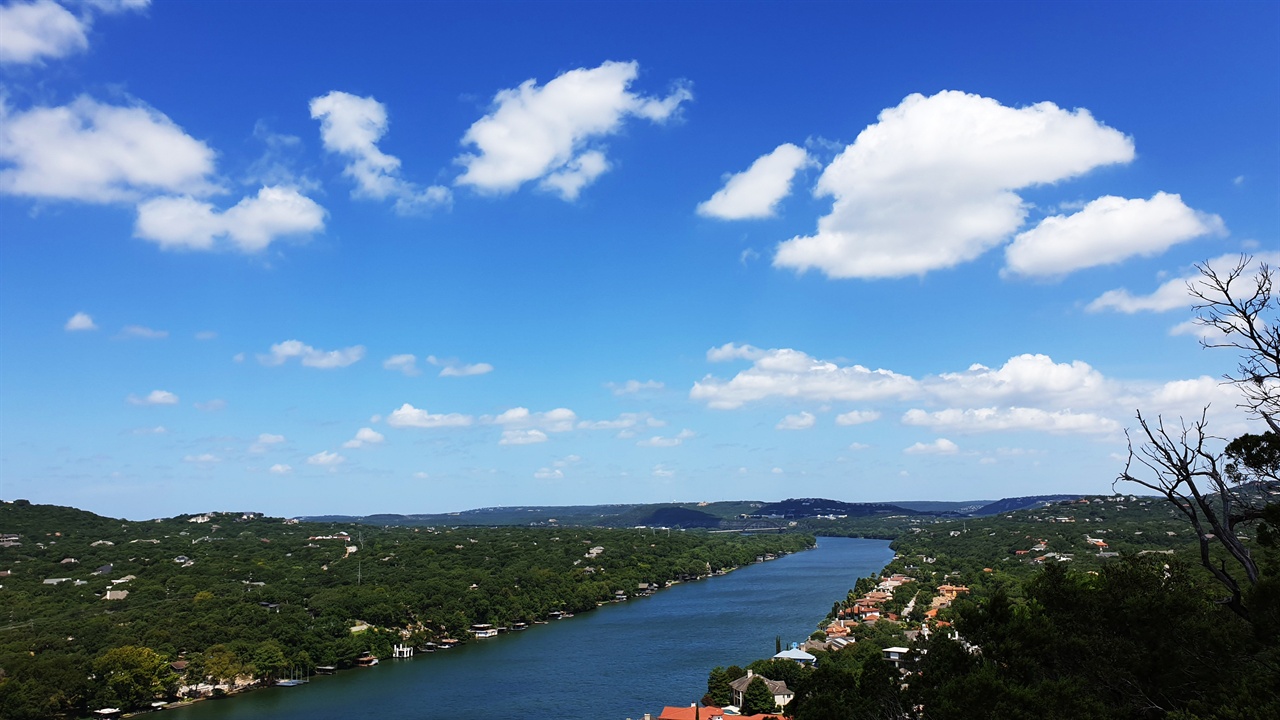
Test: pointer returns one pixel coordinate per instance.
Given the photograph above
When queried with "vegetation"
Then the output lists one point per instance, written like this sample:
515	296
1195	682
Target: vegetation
241	598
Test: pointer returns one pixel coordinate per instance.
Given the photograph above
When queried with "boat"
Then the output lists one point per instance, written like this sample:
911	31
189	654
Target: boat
326	669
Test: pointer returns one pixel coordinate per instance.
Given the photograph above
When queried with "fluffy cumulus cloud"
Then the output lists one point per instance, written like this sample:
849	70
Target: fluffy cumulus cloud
857	417
1107	231
454	368
326	458
756	191
791	374
409	416
92	152
932	183
527	436
281	469
405	363
79	322
351	126
31	32
1176	294
265	442
552	133
941	446
155	397
1026	380
519	418
799	421
312	357
1011	418
251	225
364	437
659	441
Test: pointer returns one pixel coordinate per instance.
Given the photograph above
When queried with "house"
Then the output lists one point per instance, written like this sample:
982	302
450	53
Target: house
116	595
484	630
781	693
796	654
55	581
104	570
896	655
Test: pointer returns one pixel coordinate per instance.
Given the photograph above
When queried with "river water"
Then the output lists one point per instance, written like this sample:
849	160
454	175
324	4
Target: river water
619	661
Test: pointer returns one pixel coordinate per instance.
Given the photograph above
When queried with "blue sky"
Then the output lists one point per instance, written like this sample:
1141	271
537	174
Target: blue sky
422	257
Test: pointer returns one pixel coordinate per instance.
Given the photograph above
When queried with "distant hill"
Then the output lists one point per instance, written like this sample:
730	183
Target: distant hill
1020	503
813	507
692	515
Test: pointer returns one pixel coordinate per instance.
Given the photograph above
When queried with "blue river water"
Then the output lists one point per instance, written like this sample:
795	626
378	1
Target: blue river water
619	661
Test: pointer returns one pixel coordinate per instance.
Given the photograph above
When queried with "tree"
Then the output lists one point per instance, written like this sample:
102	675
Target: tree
719	693
1216	488
131	676
757	699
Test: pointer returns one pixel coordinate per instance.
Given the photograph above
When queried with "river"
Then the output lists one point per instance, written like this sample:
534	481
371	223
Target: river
620	661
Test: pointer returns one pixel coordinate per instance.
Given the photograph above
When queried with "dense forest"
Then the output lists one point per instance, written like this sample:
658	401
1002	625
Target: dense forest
97	611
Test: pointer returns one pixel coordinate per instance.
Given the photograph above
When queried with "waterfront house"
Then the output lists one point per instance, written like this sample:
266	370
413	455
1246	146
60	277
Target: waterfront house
781	693
484	630
795	654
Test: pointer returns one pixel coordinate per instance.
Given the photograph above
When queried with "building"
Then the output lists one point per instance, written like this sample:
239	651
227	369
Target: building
781	693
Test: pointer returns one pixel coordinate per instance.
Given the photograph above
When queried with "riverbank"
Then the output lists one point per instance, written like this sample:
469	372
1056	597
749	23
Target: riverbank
623	660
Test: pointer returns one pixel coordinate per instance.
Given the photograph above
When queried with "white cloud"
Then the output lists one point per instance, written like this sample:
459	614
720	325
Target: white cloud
522	437
155	397
622	422
118	6
204	335
1107	231
80	321
351	126
454	368
281	469
730	351
410	416
406	363
657	441
251	225
792	374
1174	294
931	185
264	442
632	387
93	152
311	357
802	421
1012	418
555	421
662	471
364	436
30	32
857	417
213	405
1026	380
157	430
146	333
202	458
941	446
548	474
326	458
756	191
552	132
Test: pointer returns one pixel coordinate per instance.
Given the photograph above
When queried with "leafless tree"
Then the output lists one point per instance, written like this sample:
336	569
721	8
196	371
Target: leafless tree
1219	486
